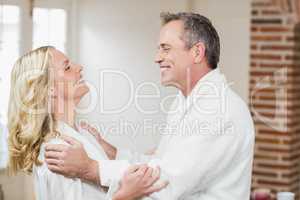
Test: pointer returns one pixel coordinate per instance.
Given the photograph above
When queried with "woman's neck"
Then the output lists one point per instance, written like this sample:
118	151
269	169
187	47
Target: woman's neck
65	112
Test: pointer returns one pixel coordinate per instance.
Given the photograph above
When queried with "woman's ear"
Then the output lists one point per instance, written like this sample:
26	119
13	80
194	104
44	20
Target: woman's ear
52	93
199	52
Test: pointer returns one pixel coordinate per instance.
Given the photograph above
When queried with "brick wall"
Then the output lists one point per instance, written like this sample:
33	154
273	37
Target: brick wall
275	94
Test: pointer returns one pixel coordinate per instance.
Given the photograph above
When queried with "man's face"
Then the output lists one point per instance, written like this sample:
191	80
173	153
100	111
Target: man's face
173	57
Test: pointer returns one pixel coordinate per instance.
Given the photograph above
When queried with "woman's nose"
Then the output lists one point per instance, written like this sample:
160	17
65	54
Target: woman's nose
79	68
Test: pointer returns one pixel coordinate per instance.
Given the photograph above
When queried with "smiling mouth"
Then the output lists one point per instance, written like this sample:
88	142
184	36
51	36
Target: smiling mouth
80	81
165	67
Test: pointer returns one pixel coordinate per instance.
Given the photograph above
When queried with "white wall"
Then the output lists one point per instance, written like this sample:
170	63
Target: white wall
122	35
232	20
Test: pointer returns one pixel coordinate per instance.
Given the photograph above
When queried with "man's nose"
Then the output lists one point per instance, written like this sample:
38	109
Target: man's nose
158	58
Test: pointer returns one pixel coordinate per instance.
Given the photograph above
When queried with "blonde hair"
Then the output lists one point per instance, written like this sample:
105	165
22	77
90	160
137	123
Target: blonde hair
29	117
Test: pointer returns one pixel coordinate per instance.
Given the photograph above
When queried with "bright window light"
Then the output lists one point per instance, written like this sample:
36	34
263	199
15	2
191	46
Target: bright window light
9	52
50	28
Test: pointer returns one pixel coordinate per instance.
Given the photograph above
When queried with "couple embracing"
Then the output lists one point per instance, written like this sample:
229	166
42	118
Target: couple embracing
193	161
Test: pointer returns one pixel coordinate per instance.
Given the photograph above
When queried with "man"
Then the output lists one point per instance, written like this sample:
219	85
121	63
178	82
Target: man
206	151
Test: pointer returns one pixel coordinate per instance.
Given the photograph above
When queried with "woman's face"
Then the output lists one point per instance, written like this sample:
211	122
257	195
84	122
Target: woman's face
67	78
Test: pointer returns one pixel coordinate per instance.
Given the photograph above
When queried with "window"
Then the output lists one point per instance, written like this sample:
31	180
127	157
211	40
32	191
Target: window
49	26
52	24
9	51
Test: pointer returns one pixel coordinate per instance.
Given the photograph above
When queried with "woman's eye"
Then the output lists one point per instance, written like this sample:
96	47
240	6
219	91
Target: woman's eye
67	68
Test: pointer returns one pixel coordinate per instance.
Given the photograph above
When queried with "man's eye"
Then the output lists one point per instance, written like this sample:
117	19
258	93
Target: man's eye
166	49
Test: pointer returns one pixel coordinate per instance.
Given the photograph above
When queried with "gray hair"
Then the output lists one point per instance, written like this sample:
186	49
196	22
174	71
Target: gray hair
197	28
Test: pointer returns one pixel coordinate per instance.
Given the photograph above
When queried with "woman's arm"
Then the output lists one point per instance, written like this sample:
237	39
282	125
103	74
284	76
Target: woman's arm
139	181
109	149
113	153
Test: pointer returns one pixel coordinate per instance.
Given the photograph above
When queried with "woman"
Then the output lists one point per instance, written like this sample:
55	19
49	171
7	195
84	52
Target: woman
45	89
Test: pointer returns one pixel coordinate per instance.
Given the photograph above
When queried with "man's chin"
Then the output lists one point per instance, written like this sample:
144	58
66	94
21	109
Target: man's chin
171	84
167	83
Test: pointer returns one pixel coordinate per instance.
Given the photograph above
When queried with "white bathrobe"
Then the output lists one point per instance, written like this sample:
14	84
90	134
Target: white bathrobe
51	186
205	153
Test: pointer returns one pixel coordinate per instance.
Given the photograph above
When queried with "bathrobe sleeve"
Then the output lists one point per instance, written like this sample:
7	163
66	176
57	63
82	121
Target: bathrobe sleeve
189	163
54	186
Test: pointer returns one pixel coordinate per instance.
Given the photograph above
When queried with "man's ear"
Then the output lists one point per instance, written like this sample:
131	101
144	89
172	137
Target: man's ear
198	52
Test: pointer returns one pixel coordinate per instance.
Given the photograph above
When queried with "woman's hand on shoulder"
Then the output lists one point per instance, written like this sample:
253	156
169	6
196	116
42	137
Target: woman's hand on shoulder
139	181
92	130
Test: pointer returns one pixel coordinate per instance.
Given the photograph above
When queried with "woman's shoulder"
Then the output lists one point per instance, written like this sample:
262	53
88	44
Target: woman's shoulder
50	141
41	156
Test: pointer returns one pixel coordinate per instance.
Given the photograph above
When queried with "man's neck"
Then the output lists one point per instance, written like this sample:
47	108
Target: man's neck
192	79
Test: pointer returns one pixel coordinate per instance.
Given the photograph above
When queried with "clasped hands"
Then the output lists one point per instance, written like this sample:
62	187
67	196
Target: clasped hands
72	161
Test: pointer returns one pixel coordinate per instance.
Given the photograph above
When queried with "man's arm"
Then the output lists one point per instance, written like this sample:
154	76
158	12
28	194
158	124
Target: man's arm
194	160
72	161
78	165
